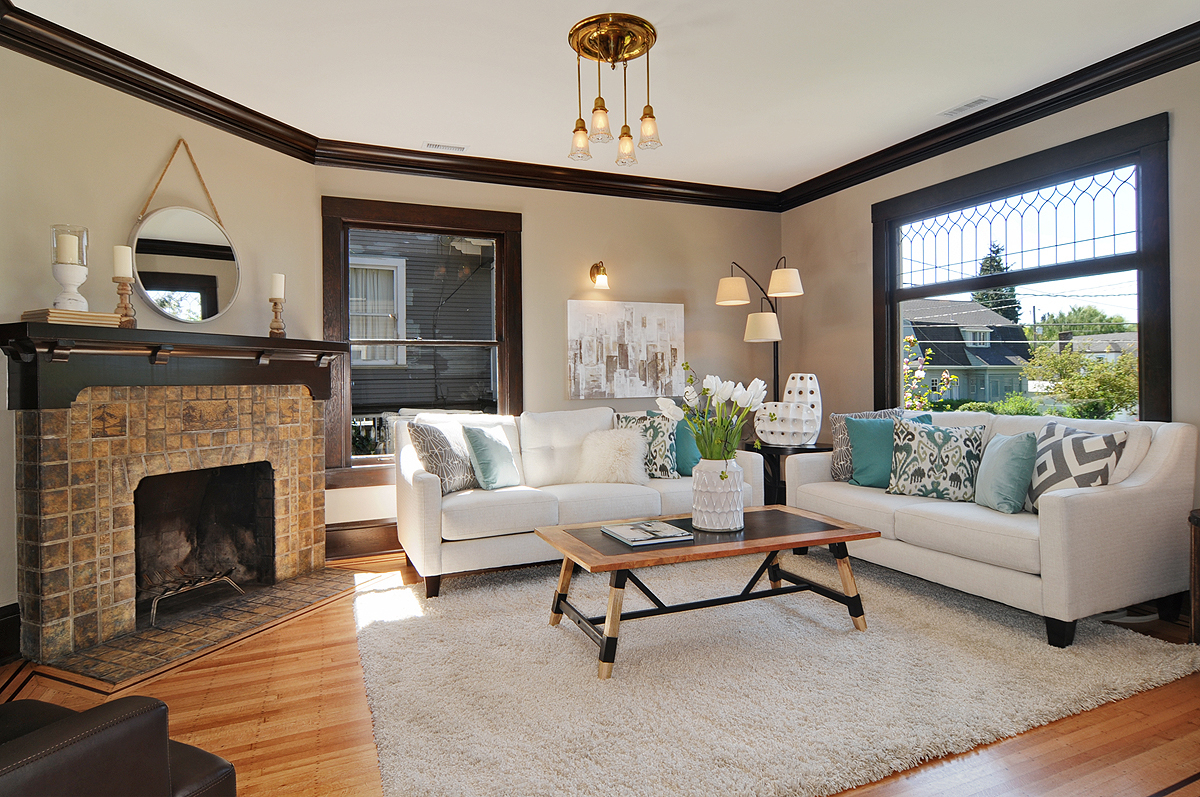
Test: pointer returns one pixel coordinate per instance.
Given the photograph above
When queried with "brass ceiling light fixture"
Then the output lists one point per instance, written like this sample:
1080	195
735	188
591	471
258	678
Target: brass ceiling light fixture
612	39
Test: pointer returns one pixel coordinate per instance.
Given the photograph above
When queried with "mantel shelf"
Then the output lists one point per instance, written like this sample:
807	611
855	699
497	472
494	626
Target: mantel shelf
50	363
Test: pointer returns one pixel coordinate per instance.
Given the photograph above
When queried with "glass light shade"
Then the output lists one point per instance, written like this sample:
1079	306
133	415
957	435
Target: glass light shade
649	138
602	281
599	275
68	244
762	328
625	156
579	143
732	290
601	132
785	282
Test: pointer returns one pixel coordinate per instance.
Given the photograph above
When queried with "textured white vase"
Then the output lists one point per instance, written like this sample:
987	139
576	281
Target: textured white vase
70	277
717	502
797	418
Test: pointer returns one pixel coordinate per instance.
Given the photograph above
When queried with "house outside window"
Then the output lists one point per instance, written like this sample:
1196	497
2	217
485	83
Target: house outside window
977	338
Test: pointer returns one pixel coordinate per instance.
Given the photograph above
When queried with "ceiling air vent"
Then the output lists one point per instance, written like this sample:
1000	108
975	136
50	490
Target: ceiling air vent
437	147
970	106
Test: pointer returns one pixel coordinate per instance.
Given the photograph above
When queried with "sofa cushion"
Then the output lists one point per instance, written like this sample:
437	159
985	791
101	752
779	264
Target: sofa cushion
687	455
973	532
471	514
676	495
1069	457
451	423
586	503
871	446
1006	471
864	506
552	442
614	456
1136	444
492	457
444	455
842	467
659	433
935	461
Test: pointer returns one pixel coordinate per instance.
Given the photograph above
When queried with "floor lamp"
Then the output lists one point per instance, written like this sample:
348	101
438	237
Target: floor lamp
763	326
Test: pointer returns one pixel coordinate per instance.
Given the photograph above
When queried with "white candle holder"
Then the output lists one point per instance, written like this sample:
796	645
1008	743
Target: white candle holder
277	328
68	264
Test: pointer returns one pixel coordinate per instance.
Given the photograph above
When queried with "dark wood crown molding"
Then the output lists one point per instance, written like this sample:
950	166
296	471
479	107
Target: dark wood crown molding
41	39
1157	57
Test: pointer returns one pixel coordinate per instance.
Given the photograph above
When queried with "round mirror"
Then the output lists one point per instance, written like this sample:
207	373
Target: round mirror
184	264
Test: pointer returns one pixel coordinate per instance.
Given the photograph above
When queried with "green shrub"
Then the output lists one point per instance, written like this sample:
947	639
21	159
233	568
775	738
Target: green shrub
975	406
1016	404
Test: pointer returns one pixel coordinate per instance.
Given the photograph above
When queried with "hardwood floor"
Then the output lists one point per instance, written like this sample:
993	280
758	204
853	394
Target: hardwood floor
288	707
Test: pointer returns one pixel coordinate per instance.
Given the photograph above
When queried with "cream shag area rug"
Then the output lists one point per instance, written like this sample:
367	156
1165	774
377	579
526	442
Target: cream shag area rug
474	693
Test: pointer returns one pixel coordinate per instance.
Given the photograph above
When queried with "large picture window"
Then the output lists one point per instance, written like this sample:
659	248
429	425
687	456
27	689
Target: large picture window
1029	273
429	300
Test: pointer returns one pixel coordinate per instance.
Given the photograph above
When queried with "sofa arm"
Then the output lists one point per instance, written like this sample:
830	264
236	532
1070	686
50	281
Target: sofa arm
806	469
752	474
117	748
1105	548
418	513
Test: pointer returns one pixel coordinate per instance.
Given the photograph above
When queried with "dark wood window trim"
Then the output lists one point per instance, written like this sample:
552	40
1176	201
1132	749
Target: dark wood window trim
339	214
1143	143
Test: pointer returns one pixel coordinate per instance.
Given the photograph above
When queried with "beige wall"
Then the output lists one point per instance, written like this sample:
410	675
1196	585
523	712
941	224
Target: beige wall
830	240
98	168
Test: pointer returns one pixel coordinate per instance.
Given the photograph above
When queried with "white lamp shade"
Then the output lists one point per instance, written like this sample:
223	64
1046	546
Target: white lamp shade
649	139
732	290
785	282
579	144
602	281
601	132
762	328
625	155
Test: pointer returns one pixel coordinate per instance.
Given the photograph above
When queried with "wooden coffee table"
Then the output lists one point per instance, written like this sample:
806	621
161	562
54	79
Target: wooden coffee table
768	530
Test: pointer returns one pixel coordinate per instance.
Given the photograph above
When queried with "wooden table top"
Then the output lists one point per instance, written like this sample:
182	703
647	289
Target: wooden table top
768	528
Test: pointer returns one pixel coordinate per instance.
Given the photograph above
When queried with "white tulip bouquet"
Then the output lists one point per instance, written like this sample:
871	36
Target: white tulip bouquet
717	413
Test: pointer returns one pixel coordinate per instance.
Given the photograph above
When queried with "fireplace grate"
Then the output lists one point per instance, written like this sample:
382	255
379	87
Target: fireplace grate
169	583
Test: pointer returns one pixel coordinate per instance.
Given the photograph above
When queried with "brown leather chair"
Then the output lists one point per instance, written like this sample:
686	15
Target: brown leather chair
118	749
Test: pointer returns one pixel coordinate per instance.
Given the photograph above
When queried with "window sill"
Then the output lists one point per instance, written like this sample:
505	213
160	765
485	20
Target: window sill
370	472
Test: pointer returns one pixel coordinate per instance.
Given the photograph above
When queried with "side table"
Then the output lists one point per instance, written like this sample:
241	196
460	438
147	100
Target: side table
1194	628
774	485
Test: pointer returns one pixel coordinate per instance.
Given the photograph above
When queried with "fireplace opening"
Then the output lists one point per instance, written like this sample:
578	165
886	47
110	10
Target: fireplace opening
200	534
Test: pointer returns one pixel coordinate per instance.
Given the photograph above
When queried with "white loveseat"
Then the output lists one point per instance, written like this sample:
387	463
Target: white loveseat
1088	550
477	529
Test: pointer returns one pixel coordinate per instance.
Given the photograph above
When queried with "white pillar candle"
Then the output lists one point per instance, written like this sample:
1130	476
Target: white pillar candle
67	250
123	261
276	287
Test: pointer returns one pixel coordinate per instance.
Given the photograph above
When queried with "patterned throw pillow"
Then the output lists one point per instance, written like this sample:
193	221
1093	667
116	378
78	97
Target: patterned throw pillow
1068	457
449	462
843	464
660	443
935	461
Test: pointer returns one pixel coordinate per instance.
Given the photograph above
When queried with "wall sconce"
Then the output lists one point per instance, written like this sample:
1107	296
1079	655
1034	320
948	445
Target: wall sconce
599	276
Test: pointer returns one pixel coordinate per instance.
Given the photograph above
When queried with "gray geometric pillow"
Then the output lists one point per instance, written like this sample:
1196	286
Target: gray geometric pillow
440	456
659	432
843	467
1068	457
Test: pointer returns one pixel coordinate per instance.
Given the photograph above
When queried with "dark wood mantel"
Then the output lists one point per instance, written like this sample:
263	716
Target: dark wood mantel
48	364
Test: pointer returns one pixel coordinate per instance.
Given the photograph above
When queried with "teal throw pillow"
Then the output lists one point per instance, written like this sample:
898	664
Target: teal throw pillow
491	457
935	461
1006	472
871	449
687	455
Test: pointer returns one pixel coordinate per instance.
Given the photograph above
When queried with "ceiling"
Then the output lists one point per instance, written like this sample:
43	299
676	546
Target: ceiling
756	94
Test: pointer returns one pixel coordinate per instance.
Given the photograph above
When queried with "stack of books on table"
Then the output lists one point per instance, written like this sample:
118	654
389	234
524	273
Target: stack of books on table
647	532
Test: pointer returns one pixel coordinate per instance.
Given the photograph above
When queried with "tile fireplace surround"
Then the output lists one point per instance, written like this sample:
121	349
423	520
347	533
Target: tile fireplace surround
77	470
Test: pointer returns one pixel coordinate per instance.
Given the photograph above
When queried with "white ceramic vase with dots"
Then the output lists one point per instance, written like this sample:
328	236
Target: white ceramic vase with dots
797	419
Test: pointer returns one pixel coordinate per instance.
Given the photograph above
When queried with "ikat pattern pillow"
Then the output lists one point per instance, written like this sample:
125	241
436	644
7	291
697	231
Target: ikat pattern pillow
843	462
1069	457
439	456
659	432
935	461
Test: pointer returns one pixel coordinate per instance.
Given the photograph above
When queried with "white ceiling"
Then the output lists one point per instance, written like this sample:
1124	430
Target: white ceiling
753	94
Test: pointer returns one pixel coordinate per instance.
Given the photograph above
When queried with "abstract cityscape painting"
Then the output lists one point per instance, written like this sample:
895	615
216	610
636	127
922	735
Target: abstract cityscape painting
624	350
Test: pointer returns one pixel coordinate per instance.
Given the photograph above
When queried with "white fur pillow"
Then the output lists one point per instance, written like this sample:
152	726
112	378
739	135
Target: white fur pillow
613	455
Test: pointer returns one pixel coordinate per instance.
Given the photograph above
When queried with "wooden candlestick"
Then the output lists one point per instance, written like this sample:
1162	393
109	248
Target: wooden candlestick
124	308
277	322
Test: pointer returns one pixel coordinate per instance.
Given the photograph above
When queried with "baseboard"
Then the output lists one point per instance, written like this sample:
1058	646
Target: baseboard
10	633
360	538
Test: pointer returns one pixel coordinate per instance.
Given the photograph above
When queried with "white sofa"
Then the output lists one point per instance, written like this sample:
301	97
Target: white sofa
1088	550
478	529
